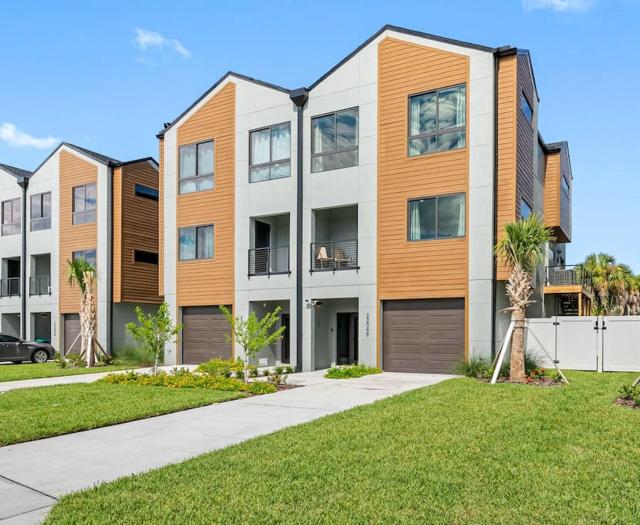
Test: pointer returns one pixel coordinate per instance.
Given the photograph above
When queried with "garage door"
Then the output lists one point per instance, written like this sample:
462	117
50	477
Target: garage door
204	334
71	331
423	335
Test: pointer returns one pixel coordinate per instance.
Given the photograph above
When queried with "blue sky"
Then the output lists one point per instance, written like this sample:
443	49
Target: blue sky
106	75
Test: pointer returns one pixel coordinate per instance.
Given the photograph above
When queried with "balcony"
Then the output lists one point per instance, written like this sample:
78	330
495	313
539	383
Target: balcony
269	241
10	287
335	239
40	285
40	280
573	275
331	256
269	261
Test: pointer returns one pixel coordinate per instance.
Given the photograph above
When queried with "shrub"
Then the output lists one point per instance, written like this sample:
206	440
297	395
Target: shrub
76	360
260	387
61	362
630	393
135	355
476	367
277	378
220	367
288	369
351	371
253	371
107	360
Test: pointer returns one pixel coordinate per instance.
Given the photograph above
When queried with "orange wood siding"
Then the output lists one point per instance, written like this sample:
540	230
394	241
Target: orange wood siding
138	281
211	281
161	220
419	269
552	191
74	171
117	235
507	150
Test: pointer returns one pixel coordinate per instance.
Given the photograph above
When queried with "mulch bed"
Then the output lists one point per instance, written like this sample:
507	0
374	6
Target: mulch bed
629	403
544	382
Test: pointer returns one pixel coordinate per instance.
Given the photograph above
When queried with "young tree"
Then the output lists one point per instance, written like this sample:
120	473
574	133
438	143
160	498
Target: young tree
253	334
83	274
153	331
523	248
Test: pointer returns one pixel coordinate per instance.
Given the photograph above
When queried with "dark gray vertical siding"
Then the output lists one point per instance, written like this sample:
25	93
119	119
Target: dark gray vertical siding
565	200
526	137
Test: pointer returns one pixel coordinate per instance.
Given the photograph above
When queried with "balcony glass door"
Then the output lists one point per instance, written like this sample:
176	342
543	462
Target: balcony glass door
263	244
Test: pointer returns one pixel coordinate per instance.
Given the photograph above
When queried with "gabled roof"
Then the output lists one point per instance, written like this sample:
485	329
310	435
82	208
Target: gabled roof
109	161
19	173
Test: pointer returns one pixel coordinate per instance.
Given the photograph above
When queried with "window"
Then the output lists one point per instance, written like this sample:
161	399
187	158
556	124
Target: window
196	167
565	184
270	153
11	217
437	217
525	107
196	243
146	192
525	209
141	256
4	338
334	140
437	121
40	211
84	204
87	255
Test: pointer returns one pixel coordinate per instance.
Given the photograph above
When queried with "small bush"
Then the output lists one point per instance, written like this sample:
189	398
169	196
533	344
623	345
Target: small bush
351	371
475	367
221	367
630	394
107	360
253	371
135	355
288	369
76	360
278	378
60	361
266	373
261	387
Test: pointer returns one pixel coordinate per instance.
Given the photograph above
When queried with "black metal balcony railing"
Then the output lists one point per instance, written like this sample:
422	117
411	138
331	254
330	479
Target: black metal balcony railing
334	255
40	285
10	287
567	276
269	261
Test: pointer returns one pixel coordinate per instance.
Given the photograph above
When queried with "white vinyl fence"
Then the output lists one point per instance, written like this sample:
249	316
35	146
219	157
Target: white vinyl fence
602	343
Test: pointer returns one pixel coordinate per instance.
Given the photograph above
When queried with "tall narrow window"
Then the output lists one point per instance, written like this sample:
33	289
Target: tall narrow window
40	211
526	108
437	217
196	242
86	255
270	153
565	185
196	167
84	204
11	217
437	121
525	209
334	140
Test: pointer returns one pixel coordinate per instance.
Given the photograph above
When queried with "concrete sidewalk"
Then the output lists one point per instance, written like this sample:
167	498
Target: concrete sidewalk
33	475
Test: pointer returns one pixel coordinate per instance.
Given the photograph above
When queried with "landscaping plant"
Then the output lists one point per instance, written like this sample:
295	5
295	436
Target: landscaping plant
523	248
253	334
617	290
351	371
83	274
153	331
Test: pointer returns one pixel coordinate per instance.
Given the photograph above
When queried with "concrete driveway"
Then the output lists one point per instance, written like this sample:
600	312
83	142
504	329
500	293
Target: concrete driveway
33	475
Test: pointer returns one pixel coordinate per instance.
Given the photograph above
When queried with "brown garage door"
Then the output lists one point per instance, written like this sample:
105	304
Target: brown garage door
71	331
204	334
423	335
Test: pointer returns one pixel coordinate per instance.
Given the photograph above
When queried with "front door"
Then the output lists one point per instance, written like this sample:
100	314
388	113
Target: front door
285	320
262	242
347	338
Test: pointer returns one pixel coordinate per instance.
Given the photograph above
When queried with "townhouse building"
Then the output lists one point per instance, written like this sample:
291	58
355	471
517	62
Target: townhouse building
366	206
77	204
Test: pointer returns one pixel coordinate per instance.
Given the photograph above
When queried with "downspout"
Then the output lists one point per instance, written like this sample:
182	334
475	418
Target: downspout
494	286
299	98
109	350
23	182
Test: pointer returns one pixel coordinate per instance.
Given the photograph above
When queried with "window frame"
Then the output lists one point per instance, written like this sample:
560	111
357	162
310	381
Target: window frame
41	218
524	96
196	227
197	176
133	257
271	161
436	197
155	198
84	255
337	150
437	131
18	223
566	191
85	212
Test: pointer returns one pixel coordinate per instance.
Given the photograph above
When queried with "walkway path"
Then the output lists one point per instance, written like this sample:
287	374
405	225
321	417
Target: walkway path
33	475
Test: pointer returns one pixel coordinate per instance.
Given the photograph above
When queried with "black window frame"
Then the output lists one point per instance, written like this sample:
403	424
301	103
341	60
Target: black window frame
45	220
75	255
197	176
155	261
523	96
337	150
437	131
153	194
196	228
10	226
436	197
91	212
271	161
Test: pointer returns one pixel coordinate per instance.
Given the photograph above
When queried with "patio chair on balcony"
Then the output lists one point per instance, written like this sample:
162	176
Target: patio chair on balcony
322	258
341	258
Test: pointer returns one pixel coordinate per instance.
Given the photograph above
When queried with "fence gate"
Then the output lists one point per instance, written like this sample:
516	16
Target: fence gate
621	344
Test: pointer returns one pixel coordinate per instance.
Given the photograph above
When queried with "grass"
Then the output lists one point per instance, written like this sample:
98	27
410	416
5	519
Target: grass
11	372
35	413
351	371
459	452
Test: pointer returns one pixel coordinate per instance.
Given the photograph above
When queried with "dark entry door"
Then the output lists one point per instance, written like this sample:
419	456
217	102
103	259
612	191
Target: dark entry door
347	338
285	320
262	242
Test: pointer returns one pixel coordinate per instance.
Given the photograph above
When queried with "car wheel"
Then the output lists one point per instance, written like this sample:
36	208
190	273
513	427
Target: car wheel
39	356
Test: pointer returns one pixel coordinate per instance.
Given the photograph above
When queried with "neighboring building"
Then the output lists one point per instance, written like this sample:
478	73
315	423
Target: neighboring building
78	204
365	206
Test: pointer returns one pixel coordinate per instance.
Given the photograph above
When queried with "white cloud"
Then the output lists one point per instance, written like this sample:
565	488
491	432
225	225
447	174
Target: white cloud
562	6
146	39
10	134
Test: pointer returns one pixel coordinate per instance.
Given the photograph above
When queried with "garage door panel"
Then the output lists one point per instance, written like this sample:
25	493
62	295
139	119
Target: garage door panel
423	335
71	331
204	335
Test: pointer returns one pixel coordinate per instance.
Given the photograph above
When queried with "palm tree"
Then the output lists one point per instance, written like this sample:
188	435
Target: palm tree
599	266
523	248
83	274
614	284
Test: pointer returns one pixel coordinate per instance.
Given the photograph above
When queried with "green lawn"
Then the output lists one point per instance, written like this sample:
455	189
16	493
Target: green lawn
458	452
11	372
34	413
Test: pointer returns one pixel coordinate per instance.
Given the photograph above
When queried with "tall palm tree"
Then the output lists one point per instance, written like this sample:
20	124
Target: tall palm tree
83	274
613	283
523	248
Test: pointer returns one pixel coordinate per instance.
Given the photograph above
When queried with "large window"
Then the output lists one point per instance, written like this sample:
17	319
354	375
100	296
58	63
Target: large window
334	140
270	153
525	209
196	167
11	217
84	204
437	217
526	108
40	211
146	192
86	255
196	242
437	121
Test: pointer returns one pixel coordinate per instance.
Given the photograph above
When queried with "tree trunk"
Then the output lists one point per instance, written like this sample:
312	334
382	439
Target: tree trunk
516	368
246	367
